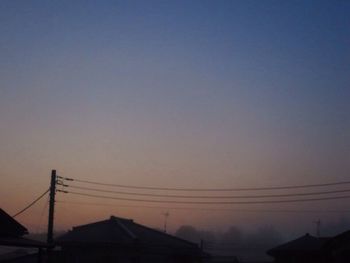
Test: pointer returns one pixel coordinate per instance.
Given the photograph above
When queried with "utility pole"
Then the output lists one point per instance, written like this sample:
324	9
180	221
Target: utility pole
51	208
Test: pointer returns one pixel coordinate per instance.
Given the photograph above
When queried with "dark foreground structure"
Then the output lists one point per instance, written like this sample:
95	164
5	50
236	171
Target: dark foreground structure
11	235
122	240
305	249
310	249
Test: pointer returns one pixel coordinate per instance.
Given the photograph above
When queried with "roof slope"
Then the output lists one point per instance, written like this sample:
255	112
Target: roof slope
341	241
10	227
306	243
11	233
120	231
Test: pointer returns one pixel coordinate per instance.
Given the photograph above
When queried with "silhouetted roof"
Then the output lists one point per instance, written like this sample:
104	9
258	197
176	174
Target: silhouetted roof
11	233
341	241
306	243
10	227
122	232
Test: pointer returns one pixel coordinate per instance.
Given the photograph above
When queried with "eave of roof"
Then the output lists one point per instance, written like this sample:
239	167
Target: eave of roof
22	242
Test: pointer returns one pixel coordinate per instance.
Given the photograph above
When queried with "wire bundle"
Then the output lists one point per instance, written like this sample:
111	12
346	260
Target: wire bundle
207	196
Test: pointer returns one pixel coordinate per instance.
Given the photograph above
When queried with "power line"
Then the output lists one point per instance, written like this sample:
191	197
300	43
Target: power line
46	204
208	203
207	196
202	208
31	204
208	189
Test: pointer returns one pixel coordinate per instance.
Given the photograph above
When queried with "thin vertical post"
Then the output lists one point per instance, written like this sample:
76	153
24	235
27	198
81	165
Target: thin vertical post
51	207
318	228
166	215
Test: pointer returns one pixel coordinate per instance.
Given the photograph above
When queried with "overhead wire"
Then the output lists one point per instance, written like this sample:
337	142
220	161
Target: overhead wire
200	208
194	199
208	196
31	204
207	202
208	189
46	204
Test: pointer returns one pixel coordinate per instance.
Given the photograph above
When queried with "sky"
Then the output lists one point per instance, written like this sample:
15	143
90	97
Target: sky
195	94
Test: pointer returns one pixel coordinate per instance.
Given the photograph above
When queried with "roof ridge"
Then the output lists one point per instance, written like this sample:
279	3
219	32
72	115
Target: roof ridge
122	226
166	234
89	224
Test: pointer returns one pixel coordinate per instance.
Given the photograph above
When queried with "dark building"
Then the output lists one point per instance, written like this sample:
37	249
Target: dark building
9	227
338	248
122	240
314	249
305	249
11	235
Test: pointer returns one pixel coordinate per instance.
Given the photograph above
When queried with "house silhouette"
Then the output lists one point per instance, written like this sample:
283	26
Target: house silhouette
310	249
122	240
11	235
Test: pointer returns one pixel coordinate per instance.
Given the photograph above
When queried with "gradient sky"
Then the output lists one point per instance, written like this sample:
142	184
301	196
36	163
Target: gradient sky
173	93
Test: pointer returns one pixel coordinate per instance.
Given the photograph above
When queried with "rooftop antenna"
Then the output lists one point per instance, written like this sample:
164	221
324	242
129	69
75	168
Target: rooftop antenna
318	227
166	215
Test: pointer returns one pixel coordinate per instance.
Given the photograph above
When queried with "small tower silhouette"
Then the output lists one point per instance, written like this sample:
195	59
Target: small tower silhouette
166	215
